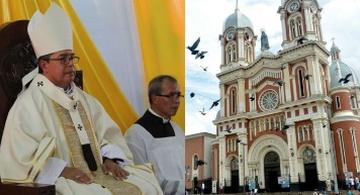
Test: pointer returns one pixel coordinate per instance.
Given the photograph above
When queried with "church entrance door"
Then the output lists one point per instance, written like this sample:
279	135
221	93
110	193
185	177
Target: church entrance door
234	165
272	172
311	177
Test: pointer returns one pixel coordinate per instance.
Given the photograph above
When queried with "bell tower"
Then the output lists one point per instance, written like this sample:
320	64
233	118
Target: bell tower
300	21
237	41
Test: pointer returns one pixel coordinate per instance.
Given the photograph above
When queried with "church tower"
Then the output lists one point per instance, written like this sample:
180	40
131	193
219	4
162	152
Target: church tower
300	21
345	123
237	41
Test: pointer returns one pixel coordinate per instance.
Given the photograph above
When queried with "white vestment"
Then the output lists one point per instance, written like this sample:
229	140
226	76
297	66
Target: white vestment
165	152
34	132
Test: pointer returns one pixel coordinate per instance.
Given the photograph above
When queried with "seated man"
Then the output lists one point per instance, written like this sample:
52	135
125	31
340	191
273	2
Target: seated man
157	140
55	133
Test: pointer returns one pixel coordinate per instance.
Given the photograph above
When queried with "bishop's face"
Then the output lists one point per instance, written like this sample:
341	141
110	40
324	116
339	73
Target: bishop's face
59	68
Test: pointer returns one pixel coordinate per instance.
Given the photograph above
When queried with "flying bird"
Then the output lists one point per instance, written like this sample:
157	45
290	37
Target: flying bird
215	103
279	82
302	40
200	55
252	98
200	162
204	68
228	130
285	127
345	79
193	47
202	111
307	76
283	67
192	94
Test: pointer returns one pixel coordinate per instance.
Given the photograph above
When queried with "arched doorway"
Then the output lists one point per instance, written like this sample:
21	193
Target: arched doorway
272	171
234	166
311	177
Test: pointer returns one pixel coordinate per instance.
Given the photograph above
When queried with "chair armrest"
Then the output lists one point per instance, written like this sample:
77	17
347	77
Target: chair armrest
27	189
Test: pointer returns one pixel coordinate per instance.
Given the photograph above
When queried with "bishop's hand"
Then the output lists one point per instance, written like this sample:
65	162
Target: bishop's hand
76	175
112	168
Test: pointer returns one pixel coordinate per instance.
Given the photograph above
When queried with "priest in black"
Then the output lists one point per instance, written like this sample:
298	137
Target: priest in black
155	139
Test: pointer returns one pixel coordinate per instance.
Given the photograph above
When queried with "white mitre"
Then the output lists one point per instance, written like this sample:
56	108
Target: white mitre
50	32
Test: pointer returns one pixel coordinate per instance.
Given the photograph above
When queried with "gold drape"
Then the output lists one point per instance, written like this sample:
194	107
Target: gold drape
161	25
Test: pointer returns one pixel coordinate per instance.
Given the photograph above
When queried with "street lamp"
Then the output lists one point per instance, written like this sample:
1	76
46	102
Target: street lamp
243	161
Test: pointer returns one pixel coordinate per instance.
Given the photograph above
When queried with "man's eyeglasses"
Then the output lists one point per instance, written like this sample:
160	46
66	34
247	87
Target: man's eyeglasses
172	95
66	59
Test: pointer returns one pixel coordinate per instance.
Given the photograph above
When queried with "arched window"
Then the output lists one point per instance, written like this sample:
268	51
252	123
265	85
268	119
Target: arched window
300	77
195	161
338	103
298	26
233	101
293	29
231	52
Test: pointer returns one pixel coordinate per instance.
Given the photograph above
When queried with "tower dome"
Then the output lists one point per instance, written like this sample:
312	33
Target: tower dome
339	69
237	20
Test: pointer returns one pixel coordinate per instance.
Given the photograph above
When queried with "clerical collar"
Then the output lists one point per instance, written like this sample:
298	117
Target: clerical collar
154	113
154	124
69	91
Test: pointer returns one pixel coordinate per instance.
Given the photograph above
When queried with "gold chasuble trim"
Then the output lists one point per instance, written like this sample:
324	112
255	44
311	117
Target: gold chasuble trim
78	161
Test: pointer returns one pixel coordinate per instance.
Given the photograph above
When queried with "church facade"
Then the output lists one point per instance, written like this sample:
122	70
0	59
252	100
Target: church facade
288	120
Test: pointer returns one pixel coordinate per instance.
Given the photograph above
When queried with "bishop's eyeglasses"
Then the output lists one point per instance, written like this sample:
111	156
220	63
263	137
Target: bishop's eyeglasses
64	60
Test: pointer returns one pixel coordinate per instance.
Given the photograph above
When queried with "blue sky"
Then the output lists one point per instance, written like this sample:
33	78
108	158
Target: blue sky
205	18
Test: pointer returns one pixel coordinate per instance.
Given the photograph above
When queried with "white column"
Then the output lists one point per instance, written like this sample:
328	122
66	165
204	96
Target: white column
308	20
222	155
283	24
240	45
292	152
241	95
222	46
286	76
315	80
321	162
222	105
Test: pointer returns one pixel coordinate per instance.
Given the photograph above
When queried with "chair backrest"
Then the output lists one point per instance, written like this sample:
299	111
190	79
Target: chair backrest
17	58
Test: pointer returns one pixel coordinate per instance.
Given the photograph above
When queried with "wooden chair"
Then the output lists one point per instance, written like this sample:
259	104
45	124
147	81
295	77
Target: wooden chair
17	58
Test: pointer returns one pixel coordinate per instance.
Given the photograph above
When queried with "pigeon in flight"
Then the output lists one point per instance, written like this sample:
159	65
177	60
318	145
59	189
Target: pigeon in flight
285	127
215	103
202	111
228	130
200	55
283	67
200	162
279	82
345	79
307	76
192	94
204	68
252	98
194	46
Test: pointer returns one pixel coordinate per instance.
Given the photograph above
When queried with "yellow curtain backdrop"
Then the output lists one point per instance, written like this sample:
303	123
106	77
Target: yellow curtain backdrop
97	78
161	25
